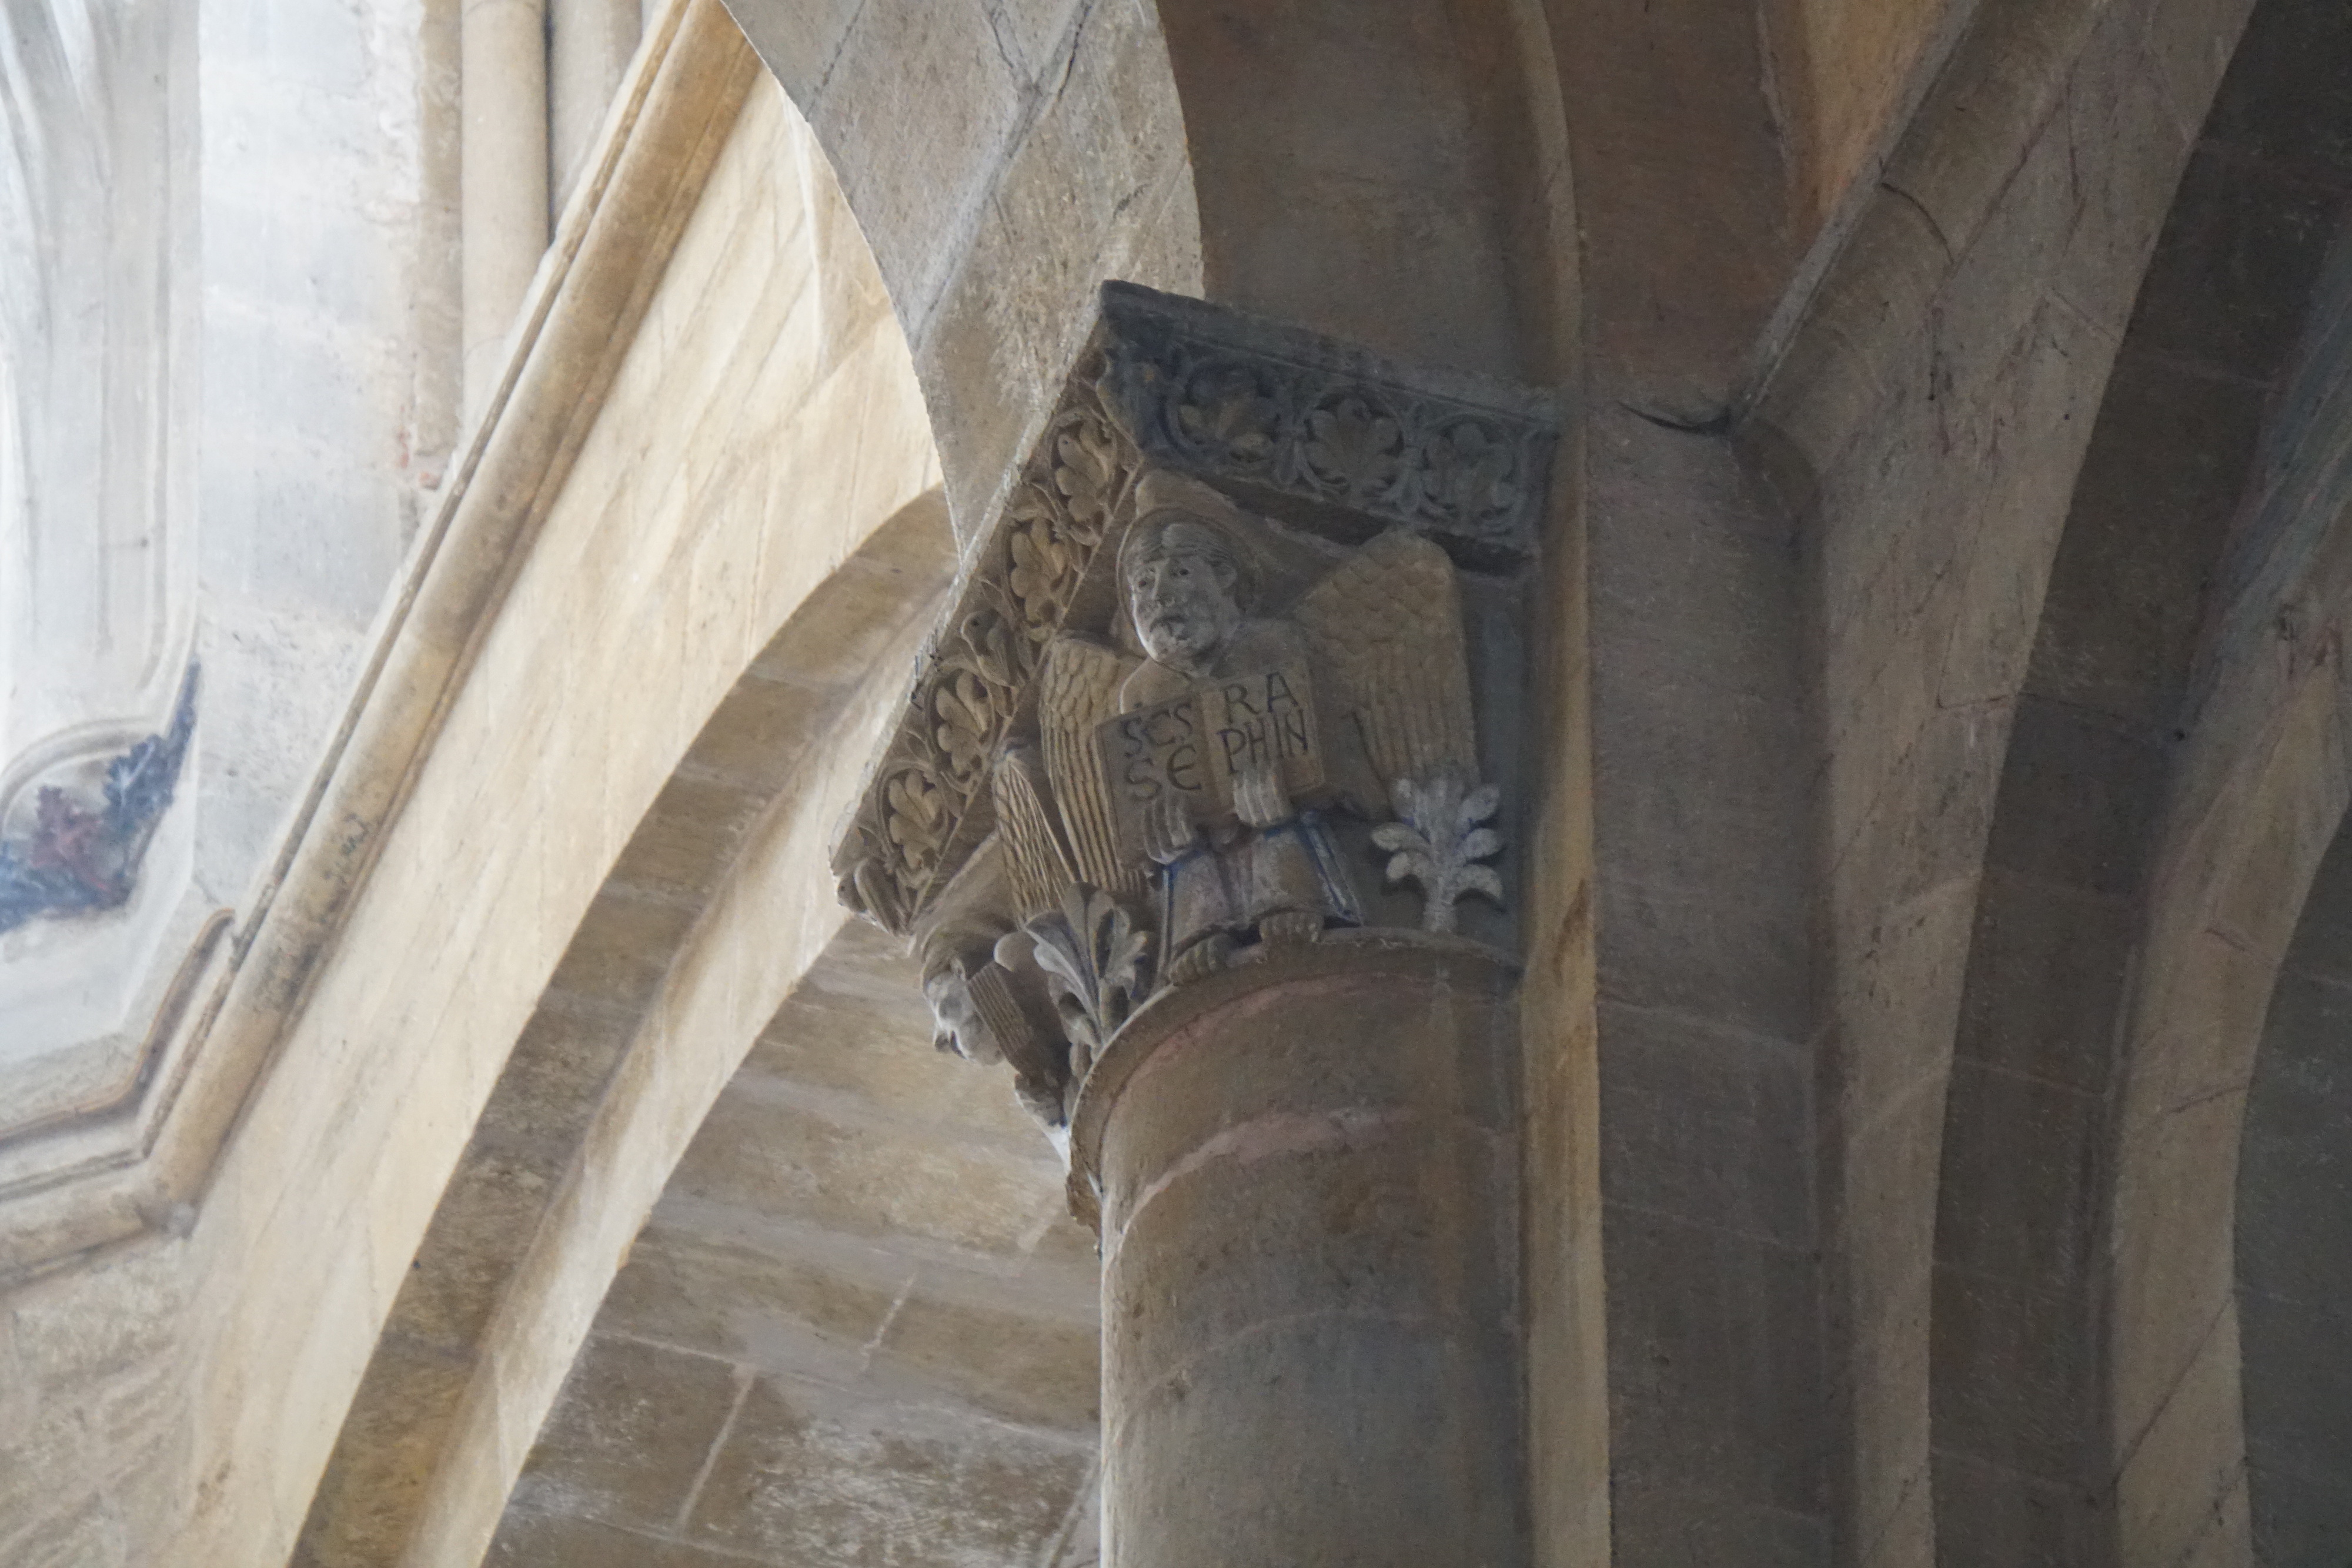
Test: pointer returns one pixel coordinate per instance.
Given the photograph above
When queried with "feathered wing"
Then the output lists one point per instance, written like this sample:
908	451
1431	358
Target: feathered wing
1038	860
1076	691
1387	626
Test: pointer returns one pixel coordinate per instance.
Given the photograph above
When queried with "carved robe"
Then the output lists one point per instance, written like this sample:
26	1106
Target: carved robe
1236	877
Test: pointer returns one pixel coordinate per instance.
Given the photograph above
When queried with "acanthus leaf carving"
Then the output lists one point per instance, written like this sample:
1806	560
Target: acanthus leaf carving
1355	447
1098	962
1298	418
968	692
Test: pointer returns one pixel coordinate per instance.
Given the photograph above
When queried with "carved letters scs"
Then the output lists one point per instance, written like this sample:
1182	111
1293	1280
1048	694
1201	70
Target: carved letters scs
1208	679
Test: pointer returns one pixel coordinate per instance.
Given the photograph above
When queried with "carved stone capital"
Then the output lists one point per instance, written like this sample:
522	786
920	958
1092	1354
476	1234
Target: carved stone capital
1327	435
1324	438
1230	649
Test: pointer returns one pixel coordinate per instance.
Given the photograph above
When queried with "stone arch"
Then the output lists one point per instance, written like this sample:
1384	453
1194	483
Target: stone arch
709	430
2172	776
1833	553
1000	160
1004	159
720	902
1000	165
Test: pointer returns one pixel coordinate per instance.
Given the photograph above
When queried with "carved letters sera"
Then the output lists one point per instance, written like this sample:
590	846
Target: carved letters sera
1195	746
1261	722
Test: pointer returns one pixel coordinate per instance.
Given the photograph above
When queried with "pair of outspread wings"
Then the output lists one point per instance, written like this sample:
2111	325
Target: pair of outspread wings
1384	627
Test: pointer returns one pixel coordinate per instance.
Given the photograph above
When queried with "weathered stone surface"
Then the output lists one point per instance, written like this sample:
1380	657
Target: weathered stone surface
806	1478
2054	947
1309	1283
401	1417
493	1200
2293	1201
1705	1384
1985	1517
625	1443
525	1541
1964	723
2117	1041
1367	133
676	605
1099	186
1703	912
1005	1358
1702	1124
687	1286
1690	237
1049	146
860	1224
1852	71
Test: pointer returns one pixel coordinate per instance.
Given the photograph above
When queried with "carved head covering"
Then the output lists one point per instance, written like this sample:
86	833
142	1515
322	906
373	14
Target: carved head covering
1162	499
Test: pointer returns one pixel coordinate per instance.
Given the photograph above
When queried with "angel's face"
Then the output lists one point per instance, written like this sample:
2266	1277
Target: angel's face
1181	591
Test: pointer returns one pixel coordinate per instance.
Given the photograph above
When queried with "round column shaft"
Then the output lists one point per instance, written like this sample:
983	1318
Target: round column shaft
1309	1187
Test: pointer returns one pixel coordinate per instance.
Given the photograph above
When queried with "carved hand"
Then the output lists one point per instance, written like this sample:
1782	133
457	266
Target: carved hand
1259	798
1169	830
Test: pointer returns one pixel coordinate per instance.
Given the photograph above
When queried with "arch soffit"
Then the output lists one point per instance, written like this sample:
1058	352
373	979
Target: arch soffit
2175	771
1945	336
720	904
738	485
2293	1271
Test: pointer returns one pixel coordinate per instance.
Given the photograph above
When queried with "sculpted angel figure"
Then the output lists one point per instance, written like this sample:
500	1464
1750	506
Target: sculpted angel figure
1272	868
1213	775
